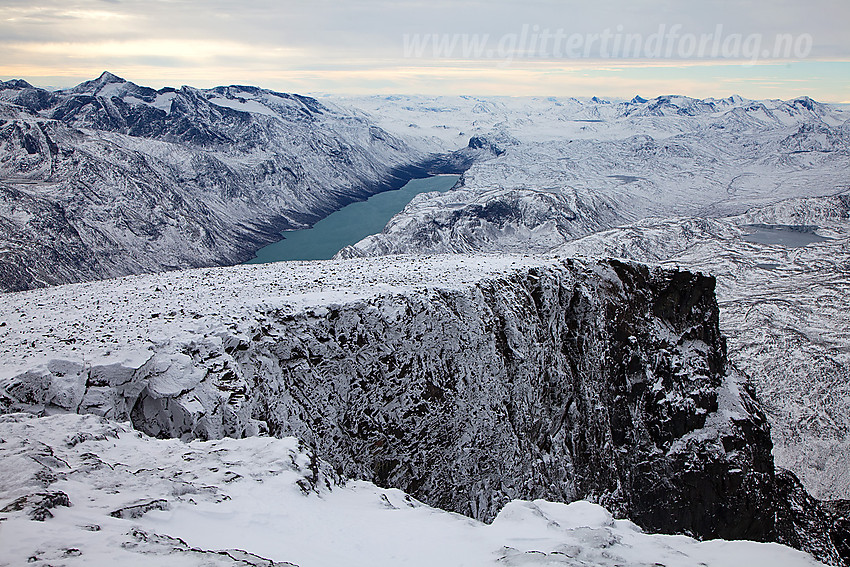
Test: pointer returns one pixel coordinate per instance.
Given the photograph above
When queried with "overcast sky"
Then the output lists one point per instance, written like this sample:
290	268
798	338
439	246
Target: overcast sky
613	48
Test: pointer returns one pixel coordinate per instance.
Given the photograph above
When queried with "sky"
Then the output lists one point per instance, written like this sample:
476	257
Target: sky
609	48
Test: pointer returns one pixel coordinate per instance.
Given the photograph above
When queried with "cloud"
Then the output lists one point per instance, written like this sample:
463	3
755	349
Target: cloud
354	45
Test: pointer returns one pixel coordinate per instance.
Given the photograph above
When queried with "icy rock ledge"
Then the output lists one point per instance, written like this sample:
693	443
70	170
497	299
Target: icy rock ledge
466	381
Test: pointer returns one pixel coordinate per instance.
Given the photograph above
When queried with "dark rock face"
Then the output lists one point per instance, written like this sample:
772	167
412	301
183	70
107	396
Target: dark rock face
597	380
818	527
477	142
558	385
839	530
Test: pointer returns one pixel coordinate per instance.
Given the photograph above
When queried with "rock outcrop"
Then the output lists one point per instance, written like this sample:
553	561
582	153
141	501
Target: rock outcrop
469	382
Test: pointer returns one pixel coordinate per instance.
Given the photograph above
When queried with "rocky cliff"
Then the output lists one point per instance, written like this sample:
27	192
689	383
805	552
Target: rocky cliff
465	381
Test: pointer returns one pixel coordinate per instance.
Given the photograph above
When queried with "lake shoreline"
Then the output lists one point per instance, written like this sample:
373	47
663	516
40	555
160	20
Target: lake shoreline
350	224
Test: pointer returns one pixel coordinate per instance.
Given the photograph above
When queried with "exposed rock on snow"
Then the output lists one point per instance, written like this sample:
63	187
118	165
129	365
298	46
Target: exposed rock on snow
466	381
106	468
471	381
237	502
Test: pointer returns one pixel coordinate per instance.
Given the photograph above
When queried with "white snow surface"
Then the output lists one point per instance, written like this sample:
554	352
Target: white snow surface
570	167
244	105
262	500
118	320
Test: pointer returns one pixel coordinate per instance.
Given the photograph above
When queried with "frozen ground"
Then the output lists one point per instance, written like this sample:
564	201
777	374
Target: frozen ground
236	502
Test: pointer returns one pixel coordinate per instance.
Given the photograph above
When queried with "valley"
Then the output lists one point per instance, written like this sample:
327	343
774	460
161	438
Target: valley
348	225
589	310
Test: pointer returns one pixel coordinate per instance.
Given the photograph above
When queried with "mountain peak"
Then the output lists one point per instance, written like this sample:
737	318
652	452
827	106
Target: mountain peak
107	77
15	84
805	102
95	86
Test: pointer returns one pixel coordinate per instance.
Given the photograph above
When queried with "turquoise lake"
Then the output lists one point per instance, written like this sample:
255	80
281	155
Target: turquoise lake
348	225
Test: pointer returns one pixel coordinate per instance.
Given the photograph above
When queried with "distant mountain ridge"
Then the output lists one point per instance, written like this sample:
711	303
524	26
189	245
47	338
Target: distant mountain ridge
569	168
109	178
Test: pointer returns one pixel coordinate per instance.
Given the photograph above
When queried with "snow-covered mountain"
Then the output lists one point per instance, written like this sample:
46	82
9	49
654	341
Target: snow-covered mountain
110	178
560	177
265	502
467	382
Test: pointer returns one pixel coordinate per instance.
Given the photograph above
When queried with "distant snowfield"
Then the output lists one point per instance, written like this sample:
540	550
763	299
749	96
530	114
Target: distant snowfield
451	120
269	498
253	106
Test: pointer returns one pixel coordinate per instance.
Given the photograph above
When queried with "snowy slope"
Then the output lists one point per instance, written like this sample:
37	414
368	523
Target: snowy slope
373	361
669	156
236	502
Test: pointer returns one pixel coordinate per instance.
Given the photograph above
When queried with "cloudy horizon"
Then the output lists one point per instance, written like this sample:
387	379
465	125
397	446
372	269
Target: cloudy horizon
613	48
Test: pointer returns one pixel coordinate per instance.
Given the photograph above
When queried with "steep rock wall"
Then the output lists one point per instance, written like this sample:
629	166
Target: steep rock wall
580	379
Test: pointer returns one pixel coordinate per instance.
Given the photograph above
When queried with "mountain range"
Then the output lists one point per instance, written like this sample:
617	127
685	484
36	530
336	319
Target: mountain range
109	178
634	306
